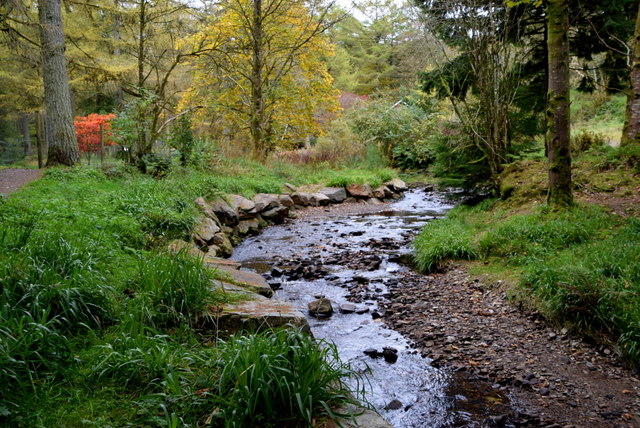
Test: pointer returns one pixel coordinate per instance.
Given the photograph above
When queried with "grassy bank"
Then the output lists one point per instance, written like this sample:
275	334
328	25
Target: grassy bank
579	268
97	321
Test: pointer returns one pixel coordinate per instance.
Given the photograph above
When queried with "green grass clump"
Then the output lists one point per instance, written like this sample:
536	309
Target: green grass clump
442	240
279	378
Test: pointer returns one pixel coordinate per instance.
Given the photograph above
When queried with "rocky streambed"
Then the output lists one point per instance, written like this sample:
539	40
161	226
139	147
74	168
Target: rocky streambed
440	350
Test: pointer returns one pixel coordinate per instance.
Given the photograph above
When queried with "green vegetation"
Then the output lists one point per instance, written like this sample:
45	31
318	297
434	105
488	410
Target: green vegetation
98	323
579	267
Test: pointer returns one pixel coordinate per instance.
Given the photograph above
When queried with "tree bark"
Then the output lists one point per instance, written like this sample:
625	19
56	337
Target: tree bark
558	132
26	142
257	111
631	129
61	136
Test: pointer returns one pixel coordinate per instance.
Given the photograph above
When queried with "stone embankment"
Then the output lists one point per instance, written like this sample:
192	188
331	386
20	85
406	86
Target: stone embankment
226	221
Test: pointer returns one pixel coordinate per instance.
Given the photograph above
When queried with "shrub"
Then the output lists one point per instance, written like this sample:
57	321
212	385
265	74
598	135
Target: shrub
586	140
279	378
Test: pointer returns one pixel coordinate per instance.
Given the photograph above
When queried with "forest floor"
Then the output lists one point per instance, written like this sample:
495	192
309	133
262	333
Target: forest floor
12	179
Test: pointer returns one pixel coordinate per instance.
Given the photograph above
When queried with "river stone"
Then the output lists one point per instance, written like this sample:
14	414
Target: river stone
397	185
206	209
178	245
319	199
382	192
222	241
290	187
320	307
393	405
374	201
266	201
359	190
249	280
245	208
213	251
205	230
362	418
335	194
224	212
285	201
390	355
347	308
220	263
301	198
277	214
248	227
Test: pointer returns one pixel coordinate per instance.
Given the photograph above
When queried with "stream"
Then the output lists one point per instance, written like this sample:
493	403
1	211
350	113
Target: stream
351	259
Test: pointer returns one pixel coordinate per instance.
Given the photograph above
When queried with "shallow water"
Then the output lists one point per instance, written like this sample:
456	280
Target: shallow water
430	397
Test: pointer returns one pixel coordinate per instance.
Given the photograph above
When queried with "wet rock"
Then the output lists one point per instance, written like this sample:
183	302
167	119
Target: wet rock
361	191
245	208
276	273
290	187
397	185
382	192
319	199
223	243
206	209
393	405
347	308
277	214
248	227
301	198
266	201
224	212
335	194
390	354
371	352
205	230
286	201
320	307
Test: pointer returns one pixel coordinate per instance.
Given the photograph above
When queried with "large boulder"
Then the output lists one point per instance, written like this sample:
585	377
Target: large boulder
319	199
277	214
248	227
301	198
245	208
382	192
205	230
177	246
320	307
286	201
266	201
397	185
359	190
335	194
224	212
223	243
206	209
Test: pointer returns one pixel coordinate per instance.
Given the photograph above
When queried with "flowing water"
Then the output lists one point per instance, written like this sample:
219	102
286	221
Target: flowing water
351	258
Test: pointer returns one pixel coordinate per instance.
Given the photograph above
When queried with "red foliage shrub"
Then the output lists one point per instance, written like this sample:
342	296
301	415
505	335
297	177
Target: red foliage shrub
88	131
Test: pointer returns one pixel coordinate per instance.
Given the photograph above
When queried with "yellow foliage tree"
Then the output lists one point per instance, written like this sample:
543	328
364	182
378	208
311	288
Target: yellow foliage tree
259	70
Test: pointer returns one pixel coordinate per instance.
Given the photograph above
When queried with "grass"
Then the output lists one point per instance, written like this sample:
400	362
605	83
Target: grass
96	321
580	268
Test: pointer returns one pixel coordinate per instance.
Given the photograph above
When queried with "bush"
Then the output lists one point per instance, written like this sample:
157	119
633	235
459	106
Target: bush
586	140
279	378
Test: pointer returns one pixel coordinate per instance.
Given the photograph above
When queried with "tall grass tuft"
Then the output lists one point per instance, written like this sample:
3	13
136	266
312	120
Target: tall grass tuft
171	288
279	378
442	240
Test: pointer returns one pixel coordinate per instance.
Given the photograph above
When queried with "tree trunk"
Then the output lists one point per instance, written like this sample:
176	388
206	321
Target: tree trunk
631	129
256	114
558	134
26	142
61	136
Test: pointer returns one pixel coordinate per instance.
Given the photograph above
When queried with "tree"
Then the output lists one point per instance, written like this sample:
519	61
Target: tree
258	69
558	130
63	147
631	130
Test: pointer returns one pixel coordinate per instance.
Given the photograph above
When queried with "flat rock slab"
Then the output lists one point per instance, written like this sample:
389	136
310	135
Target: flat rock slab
220	263
249	280
238	290
259	314
368	419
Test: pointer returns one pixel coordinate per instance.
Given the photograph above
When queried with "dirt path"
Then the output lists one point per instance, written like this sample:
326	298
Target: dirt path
555	379
12	179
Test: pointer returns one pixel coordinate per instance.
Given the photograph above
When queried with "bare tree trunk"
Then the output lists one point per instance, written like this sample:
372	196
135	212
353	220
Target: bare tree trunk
558	134
256	114
41	138
26	142
61	136
631	129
